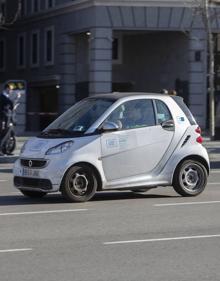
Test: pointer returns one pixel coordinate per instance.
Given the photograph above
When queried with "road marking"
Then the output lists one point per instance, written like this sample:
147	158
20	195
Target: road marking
162	239
3	180
214	172
186	203
15	250
42	212
213	183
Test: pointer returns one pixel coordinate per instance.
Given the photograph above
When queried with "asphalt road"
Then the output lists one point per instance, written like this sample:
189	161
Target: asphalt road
117	236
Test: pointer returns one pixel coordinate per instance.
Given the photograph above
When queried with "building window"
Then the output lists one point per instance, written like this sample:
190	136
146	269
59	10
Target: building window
117	50
49	46
35	6
24	8
21	51
2	54
50	4
35	48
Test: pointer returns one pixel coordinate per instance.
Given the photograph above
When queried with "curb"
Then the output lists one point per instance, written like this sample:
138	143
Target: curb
8	159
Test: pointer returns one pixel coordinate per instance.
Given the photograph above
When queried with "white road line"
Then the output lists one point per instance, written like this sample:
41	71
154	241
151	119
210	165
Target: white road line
213	183
3	180
42	212
214	171
186	203
15	250
161	239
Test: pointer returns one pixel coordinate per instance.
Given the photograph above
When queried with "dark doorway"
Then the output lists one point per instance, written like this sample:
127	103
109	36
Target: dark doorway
182	88
42	107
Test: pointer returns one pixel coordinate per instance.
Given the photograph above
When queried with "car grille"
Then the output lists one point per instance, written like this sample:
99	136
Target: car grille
32	163
43	184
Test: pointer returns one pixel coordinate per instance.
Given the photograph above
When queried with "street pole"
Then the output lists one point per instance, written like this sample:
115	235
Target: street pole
211	71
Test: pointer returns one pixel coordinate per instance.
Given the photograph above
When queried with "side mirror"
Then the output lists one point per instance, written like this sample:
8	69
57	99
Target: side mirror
109	127
168	125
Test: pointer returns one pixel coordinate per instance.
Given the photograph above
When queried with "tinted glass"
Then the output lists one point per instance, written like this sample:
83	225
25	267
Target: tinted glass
185	109
21	50
134	114
81	116
163	113
49	45
34	48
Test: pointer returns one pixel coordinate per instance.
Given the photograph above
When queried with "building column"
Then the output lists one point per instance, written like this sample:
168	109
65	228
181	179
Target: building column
198	75
67	72
100	69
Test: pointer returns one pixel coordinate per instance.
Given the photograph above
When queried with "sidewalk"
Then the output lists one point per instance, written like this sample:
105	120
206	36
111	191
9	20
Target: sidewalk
213	148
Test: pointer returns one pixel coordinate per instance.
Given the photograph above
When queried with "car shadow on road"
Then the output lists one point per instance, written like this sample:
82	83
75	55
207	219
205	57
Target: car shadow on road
121	195
16	200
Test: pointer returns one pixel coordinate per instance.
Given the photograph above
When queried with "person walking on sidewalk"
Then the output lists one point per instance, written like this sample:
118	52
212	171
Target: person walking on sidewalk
5	105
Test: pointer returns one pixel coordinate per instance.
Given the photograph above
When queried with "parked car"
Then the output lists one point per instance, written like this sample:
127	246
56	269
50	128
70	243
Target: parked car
117	141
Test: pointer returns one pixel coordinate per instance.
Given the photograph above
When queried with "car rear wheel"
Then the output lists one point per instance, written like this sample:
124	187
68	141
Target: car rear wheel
190	178
79	184
33	194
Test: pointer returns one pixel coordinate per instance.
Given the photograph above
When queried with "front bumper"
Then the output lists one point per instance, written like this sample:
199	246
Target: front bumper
47	178
33	183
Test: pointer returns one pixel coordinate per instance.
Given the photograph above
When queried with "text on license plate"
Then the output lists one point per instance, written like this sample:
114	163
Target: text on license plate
30	172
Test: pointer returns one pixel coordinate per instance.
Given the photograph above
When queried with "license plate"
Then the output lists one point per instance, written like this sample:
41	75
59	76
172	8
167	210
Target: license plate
30	173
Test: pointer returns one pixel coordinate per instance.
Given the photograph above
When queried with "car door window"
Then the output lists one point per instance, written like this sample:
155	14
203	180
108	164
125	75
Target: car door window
163	114
134	114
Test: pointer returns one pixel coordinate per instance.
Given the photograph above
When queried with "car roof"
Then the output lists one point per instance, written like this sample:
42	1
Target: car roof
120	95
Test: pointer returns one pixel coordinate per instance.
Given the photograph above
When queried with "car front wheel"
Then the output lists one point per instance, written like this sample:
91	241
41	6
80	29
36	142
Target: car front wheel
190	178
79	184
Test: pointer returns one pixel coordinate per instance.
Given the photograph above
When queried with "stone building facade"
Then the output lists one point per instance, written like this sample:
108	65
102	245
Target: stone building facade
67	50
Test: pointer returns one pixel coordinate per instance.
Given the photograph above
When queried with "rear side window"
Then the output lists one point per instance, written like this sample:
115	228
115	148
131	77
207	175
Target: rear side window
163	114
185	109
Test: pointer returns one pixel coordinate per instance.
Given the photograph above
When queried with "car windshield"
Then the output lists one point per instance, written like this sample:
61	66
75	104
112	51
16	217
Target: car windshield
79	117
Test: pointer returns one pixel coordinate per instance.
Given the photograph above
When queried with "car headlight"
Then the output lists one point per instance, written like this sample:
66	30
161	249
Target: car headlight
23	147
60	148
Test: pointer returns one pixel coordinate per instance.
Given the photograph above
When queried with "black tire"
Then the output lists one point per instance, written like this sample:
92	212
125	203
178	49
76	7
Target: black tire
33	194
190	178
79	184
9	146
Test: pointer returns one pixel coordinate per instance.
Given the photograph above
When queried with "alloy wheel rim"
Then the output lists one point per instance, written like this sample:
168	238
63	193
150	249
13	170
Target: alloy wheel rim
191	177
79	184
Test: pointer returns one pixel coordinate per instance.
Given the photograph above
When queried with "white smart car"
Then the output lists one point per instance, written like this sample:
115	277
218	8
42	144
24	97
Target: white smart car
117	141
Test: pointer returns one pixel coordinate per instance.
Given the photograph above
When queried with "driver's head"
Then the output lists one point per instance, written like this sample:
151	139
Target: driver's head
7	88
133	113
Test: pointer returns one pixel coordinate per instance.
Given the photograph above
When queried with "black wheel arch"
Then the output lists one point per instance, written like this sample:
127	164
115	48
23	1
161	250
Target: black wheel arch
95	170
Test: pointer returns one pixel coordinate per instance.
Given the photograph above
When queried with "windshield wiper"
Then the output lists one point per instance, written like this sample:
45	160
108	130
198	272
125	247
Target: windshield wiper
56	132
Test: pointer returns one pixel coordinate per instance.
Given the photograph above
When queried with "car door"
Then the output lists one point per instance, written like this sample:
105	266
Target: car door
140	143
